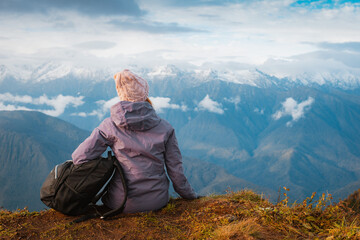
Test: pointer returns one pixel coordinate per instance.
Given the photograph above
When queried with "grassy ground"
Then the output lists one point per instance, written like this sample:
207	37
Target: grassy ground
236	215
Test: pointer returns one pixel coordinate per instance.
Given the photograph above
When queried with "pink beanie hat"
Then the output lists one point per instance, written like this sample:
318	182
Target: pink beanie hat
131	87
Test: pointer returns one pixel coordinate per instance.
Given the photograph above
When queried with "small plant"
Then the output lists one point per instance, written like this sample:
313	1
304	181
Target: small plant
285	201
170	208
311	218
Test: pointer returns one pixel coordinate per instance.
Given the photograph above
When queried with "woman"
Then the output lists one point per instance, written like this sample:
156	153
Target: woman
143	143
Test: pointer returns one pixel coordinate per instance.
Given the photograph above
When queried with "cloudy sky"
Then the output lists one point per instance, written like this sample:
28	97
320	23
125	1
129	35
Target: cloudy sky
198	32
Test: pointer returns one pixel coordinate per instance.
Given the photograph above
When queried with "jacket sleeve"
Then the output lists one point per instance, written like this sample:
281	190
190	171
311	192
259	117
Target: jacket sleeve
173	162
95	145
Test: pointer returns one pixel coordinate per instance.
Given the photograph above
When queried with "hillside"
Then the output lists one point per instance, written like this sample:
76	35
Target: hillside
236	215
353	201
31	144
207	178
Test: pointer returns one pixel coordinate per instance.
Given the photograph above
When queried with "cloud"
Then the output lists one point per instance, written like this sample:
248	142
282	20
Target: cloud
235	100
253	31
291	108
259	111
10	107
58	103
80	114
161	103
102	110
96	45
207	104
151	27
345	46
106	105
190	3
328	66
8	97
108	7
196	31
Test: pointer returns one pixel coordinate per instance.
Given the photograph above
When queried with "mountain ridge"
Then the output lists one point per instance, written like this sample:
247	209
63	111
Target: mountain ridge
252	76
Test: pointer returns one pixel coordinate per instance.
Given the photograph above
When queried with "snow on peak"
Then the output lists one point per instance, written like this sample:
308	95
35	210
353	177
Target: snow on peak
164	71
341	79
250	77
97	75
207	74
247	77
50	71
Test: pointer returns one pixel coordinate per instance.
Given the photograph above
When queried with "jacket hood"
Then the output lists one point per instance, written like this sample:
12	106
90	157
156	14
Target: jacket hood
137	116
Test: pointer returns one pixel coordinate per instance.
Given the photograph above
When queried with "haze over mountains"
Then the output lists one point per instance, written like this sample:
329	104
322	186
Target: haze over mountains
302	133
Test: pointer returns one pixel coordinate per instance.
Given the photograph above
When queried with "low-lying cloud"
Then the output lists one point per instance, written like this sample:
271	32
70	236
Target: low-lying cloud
294	109
207	104
59	103
161	103
259	111
102	110
235	100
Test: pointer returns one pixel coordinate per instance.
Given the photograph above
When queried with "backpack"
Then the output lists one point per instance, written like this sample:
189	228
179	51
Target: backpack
72	189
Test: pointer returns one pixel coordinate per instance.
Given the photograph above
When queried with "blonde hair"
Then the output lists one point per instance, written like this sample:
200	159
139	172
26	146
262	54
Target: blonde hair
149	101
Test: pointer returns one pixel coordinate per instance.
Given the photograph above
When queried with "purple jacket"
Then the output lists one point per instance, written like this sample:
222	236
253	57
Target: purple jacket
144	144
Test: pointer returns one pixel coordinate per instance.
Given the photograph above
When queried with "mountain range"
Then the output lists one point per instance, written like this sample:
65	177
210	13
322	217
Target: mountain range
301	133
32	143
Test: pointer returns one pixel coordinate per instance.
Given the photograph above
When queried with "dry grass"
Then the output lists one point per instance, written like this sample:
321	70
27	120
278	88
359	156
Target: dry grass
243	229
236	215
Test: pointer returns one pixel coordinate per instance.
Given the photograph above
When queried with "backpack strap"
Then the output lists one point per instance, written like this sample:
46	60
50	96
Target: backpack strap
85	217
100	194
122	206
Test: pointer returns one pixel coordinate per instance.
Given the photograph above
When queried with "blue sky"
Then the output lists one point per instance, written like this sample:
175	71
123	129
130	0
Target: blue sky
321	4
265	34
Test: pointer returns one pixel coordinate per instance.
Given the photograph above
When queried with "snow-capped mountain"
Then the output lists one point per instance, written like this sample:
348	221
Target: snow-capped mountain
253	77
344	79
301	133
52	71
